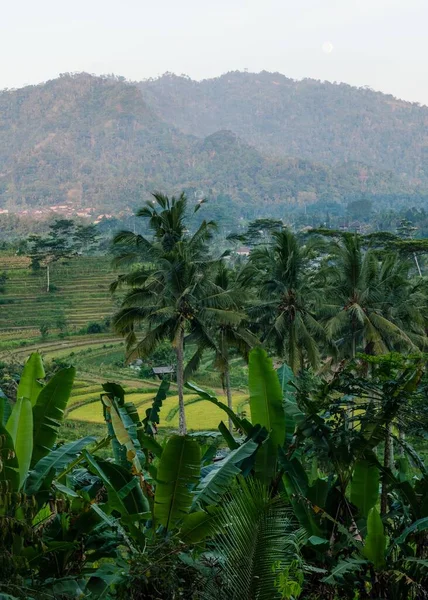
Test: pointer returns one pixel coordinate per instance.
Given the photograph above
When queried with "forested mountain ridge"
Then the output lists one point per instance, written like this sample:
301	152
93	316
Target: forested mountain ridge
319	121
100	143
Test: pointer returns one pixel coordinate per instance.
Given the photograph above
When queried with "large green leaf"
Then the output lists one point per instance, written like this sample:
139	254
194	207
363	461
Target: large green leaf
5	408
179	469
56	460
228	437
348	567
296	485
29	386
152	413
20	427
48	412
417	526
199	525
365	486
216	483
266	405
285	376
375	546
8	460
123	488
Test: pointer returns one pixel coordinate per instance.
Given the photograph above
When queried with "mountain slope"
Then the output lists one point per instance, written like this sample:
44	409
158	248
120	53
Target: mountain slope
83	139
318	121
98	142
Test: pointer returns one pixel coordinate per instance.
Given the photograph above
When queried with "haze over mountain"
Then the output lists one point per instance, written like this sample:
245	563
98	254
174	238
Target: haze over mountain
318	121
255	143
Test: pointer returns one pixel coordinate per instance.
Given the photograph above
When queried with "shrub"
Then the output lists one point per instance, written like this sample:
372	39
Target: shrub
3	279
44	330
94	328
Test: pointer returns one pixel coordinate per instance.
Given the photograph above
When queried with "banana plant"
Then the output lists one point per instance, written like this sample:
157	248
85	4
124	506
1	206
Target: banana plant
44	521
31	429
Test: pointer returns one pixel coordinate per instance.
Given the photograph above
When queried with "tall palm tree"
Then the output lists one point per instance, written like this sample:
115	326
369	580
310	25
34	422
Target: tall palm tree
228	332
171	285
362	297
285	311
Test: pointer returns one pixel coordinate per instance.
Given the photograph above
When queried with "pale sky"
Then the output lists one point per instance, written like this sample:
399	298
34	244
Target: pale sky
379	43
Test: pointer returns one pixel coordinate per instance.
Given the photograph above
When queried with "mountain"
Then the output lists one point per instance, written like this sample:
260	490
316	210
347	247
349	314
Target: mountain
318	121
103	144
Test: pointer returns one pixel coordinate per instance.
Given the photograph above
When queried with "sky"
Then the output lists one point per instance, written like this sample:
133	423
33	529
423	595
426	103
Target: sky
377	43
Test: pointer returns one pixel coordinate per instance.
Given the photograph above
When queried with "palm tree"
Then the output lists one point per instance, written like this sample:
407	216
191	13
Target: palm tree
406	298
285	312
171	287
226	333
363	295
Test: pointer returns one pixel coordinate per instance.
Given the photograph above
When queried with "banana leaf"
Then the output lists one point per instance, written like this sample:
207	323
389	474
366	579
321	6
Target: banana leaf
20	428
217	482
178	471
297	488
266	405
29	386
365	486
8	463
199	525
53	462
375	546
416	527
152	413
48	412
5	408
124	491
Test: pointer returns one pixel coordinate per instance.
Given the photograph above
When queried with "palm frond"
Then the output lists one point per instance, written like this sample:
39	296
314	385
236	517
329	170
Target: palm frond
258	533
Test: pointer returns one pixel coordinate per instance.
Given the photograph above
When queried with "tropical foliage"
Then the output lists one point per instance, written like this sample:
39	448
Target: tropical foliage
316	492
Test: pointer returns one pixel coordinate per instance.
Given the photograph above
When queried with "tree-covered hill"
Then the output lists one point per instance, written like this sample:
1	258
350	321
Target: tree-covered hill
319	121
101	143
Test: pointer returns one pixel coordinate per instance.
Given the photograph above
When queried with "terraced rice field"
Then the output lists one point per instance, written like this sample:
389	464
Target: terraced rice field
79	295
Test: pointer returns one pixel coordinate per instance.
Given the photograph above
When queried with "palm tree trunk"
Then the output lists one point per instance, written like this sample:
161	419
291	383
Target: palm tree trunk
180	382
387	464
48	279
229	395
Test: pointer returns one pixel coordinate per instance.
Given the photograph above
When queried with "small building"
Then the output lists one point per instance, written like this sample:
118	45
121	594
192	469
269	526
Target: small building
162	371
243	251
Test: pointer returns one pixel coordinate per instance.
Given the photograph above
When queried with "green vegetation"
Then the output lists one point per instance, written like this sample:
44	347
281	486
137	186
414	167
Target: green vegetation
309	482
288	506
317	121
296	144
78	298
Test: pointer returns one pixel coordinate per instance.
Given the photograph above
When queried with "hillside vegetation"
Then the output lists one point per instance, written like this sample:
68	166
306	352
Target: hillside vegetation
318	121
102	143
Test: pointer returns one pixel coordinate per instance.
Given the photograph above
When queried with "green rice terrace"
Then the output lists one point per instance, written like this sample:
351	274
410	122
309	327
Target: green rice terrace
79	301
79	295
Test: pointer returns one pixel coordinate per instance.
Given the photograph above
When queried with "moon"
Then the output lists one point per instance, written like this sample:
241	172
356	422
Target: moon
327	47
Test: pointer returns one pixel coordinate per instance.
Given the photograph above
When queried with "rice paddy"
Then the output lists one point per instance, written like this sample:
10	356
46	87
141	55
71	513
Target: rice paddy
80	296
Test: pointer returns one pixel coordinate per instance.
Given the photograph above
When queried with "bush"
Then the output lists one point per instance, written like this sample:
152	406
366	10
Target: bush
98	327
3	279
44	330
61	324
94	328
